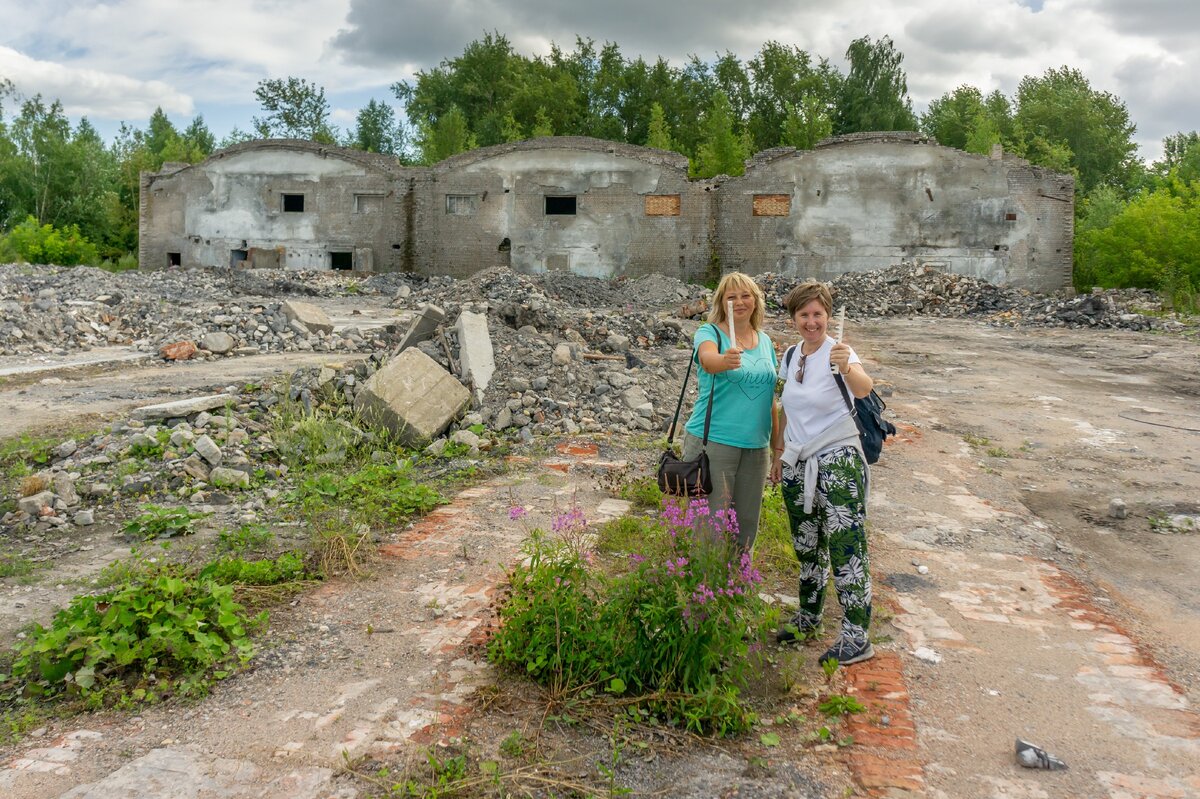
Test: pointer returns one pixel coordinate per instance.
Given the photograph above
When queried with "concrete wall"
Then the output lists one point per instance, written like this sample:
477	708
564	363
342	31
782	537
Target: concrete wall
855	202
231	207
488	207
867	201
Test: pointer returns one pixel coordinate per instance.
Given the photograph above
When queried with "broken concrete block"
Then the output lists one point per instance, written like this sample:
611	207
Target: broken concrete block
218	342
309	315
178	351
34	503
423	326
206	448
229	478
64	487
195	467
182	408
84	518
66	449
476	360
413	397
562	355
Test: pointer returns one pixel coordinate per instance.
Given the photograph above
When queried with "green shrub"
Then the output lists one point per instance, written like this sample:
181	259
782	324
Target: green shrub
143	641
642	493
674	628
46	244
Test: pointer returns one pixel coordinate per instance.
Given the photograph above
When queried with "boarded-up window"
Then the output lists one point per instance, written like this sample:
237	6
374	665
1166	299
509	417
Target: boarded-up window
558	262
772	204
368	203
460	204
662	205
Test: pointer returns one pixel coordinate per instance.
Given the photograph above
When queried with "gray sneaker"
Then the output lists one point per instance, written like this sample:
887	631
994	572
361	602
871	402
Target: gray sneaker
846	650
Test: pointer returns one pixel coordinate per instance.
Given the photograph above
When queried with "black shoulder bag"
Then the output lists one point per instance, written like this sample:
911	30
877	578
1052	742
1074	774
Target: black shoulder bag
680	478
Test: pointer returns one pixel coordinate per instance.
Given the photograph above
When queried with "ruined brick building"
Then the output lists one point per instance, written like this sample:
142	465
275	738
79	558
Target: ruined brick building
605	209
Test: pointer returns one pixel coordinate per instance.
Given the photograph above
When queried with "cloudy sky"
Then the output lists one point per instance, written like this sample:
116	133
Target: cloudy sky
115	60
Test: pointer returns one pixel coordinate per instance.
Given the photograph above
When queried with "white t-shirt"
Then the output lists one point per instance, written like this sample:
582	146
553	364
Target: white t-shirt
815	404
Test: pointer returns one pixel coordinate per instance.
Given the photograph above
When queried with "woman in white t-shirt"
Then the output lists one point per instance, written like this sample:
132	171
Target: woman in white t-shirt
818	459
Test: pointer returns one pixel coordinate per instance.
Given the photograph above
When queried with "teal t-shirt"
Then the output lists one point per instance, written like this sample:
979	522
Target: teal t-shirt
742	410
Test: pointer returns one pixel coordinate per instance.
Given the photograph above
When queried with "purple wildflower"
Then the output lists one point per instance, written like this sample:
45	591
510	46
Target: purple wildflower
517	512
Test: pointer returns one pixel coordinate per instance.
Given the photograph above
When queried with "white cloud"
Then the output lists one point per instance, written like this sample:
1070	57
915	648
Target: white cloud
119	57
89	92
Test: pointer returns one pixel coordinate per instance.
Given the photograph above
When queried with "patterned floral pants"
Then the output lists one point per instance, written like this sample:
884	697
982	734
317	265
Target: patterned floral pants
833	535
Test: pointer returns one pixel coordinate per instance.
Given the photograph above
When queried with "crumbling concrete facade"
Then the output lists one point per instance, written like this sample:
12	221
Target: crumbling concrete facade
606	209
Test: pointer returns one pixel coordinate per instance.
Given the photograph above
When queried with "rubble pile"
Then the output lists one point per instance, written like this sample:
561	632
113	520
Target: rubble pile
906	290
208	453
56	310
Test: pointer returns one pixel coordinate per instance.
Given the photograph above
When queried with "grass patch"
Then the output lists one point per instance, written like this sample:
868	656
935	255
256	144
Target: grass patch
642	493
976	441
246	538
378	494
15	566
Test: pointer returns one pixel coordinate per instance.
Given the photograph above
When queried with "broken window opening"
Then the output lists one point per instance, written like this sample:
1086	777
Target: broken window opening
237	257
460	204
560	206
505	245
1010	217
342	261
293	203
368	203
174	259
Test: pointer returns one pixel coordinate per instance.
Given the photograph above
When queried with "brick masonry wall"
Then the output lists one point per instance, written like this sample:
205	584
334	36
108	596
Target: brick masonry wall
855	204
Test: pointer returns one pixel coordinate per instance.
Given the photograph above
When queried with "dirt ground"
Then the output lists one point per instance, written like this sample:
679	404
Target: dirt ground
994	554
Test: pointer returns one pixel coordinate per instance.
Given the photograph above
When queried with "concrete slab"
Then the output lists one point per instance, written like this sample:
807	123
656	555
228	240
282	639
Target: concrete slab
413	397
308	315
476	359
181	408
423	326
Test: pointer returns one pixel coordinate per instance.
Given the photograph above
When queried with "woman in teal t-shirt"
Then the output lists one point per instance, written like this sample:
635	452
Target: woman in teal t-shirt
739	378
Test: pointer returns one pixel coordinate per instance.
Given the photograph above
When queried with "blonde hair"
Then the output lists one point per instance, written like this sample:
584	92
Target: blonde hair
805	293
737	280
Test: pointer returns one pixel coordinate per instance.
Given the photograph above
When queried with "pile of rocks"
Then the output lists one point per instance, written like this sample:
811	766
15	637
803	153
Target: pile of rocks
56	310
206	451
906	290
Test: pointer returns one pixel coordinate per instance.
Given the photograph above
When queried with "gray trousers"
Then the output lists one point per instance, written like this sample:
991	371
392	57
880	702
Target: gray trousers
738	479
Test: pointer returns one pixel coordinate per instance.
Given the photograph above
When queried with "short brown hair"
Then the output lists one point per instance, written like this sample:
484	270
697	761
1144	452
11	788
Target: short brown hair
805	293
737	280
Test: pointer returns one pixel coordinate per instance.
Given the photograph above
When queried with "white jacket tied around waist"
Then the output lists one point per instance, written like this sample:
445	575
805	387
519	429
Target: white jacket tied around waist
843	433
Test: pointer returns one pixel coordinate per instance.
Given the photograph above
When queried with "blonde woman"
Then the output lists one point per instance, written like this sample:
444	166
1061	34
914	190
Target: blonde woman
738	375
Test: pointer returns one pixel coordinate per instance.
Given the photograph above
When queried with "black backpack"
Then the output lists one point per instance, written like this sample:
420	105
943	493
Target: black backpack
867	413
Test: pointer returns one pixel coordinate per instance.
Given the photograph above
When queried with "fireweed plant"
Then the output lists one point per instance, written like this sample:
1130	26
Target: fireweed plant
677	625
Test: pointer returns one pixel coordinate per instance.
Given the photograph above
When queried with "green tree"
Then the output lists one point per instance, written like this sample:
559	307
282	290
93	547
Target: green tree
446	137
541	125
377	131
295	109
1151	242
806	124
953	117
510	130
722	151
660	134
1180	159
199	138
790	96
1060	110
874	95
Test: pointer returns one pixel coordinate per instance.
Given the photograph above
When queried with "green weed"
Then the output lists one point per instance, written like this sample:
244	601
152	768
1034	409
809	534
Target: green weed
156	521
244	538
169	635
642	493
840	705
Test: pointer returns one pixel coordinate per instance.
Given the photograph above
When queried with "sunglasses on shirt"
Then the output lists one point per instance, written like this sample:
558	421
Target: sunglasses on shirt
800	368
